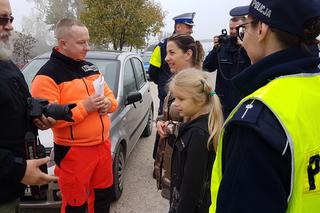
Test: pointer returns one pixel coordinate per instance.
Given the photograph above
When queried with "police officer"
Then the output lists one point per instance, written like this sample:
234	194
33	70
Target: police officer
229	58
159	70
268	154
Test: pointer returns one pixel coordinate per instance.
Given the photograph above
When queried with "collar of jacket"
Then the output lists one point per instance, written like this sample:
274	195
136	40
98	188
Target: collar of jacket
199	122
285	62
69	61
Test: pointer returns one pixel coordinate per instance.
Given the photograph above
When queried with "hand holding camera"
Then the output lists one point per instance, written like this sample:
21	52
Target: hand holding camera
38	107
44	122
224	38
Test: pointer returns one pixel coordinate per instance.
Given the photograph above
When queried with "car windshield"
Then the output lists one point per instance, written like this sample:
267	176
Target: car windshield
109	68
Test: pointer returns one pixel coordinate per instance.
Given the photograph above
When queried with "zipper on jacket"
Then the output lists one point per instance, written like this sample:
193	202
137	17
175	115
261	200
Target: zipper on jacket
86	86
102	128
71	133
99	115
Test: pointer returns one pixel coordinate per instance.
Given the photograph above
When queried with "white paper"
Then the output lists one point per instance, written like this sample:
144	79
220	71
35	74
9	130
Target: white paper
98	85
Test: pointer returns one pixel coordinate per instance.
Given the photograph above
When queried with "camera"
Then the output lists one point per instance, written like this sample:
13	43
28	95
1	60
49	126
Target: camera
35	150
224	38
39	106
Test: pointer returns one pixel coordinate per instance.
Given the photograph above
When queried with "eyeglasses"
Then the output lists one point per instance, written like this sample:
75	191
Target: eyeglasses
5	20
241	29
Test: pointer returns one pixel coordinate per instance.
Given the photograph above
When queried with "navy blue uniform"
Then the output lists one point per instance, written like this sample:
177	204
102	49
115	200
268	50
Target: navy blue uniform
256	163
160	73
229	59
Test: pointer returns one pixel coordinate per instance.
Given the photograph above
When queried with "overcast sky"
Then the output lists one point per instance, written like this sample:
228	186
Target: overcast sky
211	15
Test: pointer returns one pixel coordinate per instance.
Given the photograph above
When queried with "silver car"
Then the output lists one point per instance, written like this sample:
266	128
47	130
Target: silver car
125	75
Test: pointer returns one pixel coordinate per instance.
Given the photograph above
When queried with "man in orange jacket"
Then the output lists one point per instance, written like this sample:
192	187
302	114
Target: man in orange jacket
82	148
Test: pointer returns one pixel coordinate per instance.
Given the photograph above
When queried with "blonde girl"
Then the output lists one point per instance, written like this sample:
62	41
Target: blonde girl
193	150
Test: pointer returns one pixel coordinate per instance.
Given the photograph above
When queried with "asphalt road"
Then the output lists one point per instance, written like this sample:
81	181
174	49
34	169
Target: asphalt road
140	194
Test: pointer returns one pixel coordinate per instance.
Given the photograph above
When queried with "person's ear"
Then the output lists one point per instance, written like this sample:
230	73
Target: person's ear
263	30
189	54
62	43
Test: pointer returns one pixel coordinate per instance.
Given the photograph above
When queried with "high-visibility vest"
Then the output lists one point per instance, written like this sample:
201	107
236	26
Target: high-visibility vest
295	102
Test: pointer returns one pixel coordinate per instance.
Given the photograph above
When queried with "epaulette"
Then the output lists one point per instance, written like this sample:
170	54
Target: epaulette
163	41
248	112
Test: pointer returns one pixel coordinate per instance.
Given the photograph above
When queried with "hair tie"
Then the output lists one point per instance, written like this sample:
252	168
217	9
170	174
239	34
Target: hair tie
212	93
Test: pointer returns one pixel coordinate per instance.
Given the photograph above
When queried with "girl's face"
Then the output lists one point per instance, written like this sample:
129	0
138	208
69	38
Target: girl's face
176	58
186	105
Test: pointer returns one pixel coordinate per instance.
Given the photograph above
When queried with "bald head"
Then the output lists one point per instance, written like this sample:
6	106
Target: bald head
63	27
73	38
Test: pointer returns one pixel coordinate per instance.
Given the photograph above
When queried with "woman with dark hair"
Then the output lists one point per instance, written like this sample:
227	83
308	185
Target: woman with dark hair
182	52
268	153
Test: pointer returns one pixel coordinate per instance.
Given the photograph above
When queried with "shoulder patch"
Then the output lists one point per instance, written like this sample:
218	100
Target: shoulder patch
88	67
248	112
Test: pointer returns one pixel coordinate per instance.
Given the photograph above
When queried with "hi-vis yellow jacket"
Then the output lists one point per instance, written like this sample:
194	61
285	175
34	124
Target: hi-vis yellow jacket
295	101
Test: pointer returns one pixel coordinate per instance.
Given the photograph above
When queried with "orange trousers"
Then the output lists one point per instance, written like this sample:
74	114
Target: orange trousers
85	177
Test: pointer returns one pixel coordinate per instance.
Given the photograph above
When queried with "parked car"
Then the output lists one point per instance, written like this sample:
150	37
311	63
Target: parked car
126	77
146	61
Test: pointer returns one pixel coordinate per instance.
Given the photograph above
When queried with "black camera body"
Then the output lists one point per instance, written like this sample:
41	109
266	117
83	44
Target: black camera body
35	150
224	38
39	106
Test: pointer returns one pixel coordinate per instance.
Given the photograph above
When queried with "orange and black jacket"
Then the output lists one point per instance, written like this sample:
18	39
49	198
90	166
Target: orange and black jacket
64	80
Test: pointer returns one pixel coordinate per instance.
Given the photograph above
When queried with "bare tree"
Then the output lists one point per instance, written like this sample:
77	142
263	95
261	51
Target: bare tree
23	45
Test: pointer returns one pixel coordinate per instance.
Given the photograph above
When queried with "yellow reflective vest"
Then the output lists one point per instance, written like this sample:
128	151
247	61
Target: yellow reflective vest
295	101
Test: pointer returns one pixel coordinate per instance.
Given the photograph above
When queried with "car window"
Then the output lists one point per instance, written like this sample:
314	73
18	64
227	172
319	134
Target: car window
109	68
31	69
110	71
129	83
141	79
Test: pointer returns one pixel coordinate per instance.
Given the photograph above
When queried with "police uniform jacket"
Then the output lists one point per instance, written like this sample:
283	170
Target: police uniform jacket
191	168
14	125
159	71
229	59
256	164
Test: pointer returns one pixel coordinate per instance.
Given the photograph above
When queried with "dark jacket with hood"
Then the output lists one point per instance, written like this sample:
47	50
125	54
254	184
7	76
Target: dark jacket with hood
256	166
13	109
191	168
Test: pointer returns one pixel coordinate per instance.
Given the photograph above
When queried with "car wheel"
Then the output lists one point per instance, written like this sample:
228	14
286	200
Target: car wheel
148	129
118	171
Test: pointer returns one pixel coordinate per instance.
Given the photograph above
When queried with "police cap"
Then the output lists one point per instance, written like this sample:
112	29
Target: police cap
185	18
286	15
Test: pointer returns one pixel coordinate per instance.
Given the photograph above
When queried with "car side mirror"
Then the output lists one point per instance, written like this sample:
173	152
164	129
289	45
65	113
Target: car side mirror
132	98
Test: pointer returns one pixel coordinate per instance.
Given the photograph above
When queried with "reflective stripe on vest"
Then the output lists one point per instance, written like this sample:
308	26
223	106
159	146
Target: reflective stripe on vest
295	101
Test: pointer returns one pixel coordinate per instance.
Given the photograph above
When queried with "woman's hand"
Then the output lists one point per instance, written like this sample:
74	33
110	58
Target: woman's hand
162	129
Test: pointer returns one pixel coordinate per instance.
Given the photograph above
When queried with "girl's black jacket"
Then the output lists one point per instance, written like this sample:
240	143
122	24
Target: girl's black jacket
191	168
